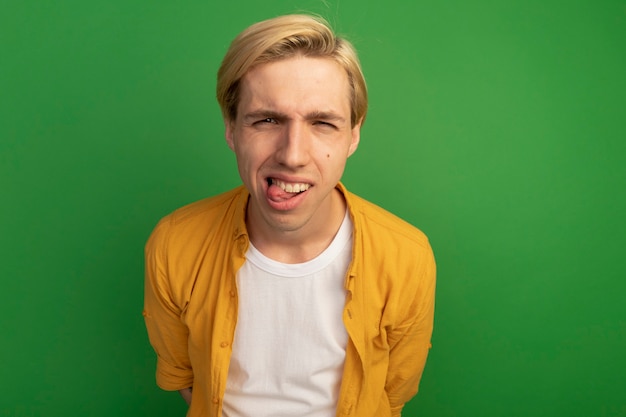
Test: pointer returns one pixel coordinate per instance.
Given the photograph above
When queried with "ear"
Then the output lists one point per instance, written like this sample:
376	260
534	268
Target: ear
229	126
356	137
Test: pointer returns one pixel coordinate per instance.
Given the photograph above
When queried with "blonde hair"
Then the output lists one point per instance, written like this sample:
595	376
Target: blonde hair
284	37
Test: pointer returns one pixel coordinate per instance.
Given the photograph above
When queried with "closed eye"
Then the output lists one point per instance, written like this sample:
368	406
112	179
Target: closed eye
324	124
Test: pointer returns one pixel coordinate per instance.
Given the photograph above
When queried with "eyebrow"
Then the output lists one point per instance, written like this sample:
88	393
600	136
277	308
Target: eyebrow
325	115
314	115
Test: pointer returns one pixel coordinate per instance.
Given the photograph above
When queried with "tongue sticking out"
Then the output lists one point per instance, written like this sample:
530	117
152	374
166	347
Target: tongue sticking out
277	194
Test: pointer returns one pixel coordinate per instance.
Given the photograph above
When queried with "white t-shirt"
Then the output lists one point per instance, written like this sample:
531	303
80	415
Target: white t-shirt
290	340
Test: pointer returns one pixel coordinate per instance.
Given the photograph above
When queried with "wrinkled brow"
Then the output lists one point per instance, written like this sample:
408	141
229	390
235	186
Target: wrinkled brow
272	114
325	115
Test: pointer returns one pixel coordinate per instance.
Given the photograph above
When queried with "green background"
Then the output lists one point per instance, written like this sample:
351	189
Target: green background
496	127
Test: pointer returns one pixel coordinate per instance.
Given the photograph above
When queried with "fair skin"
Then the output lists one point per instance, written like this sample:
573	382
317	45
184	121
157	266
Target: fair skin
292	137
186	394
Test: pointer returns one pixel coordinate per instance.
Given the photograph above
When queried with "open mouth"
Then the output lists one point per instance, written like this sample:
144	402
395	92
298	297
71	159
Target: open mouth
288	187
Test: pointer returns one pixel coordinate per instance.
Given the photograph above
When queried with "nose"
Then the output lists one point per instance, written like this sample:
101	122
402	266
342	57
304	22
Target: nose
293	151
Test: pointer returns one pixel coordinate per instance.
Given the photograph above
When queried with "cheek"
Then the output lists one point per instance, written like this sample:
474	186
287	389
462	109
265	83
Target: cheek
334	162
250	158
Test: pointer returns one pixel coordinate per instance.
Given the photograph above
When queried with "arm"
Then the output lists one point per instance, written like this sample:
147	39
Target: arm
409	345
186	394
167	332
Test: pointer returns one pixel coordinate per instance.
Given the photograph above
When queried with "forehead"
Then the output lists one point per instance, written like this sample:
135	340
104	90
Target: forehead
296	83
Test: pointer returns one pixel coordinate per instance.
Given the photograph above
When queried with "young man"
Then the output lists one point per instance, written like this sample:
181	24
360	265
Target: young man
290	296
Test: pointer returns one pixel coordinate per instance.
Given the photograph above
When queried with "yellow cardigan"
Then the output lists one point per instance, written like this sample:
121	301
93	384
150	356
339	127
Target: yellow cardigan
190	306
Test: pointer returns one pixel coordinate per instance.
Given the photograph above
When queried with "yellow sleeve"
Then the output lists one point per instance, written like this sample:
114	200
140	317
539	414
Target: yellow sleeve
167	333
410	344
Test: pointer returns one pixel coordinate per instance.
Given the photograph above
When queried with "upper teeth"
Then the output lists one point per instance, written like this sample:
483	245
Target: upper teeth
291	187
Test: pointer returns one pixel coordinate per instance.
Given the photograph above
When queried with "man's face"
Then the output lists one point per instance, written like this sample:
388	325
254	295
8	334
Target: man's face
292	137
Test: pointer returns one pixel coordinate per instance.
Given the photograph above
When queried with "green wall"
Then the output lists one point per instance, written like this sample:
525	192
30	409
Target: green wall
497	127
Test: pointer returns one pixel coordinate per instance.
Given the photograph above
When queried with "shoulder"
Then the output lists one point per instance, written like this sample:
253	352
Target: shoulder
200	211
392	259
195	222
377	223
